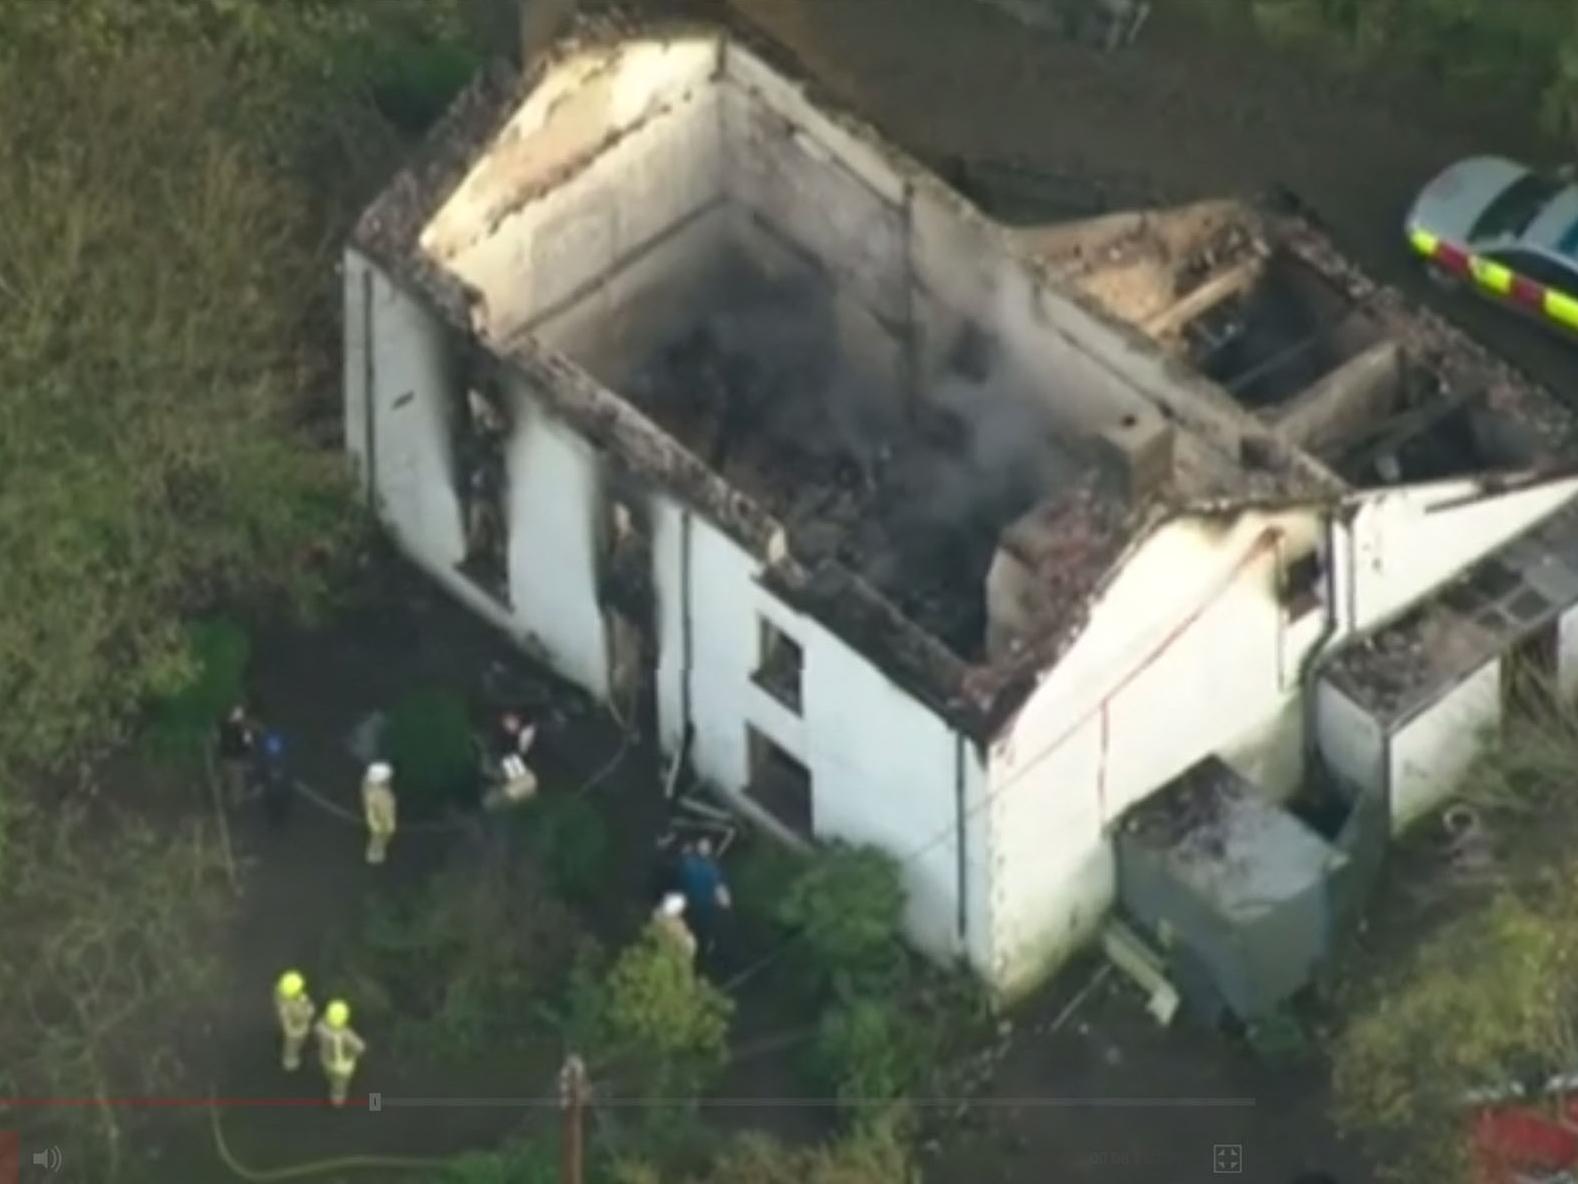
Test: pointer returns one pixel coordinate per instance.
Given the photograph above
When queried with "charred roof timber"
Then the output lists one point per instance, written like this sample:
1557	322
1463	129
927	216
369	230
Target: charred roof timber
751	303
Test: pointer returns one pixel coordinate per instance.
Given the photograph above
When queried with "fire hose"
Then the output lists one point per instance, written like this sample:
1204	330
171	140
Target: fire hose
319	1167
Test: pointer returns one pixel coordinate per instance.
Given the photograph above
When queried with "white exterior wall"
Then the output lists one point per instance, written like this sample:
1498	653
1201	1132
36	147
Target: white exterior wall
553	482
1185	654
1567	652
408	456
1431	752
1350	739
1408	541
883	767
554	499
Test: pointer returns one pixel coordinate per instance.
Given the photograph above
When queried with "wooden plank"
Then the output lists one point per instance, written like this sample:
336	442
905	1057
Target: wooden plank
1391	434
1206	296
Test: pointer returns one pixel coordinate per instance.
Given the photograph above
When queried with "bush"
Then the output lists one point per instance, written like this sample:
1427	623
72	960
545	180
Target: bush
875	1155
499	939
848	903
1525	49
428	740
660	1016
868	1052
761	877
217	653
568	838
525	1161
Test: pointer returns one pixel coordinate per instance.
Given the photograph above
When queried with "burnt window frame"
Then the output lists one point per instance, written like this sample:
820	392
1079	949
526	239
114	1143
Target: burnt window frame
489	574
797	816
1302	588
771	640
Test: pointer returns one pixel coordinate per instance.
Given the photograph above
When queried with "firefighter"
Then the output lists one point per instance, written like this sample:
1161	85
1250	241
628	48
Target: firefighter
339	1047
669	920
296	1012
378	805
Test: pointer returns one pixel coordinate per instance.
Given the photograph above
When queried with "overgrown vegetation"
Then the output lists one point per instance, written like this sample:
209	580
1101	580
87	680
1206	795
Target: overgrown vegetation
110	926
218	650
428	739
502	942
568	838
1472	46
1488	995
522	1161
175	178
847	905
876	1154
883	1013
664	1025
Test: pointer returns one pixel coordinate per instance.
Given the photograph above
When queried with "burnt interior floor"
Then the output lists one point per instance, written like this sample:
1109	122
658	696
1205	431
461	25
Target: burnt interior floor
753	361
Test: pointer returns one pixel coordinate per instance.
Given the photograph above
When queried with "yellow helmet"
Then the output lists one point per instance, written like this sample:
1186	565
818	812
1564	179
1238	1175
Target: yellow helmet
338	1014
291	984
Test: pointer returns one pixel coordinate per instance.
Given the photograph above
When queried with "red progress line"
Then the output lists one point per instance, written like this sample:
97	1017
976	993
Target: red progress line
177	1103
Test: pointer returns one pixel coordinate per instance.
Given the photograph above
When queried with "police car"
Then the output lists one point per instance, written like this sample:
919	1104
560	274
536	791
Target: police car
1505	230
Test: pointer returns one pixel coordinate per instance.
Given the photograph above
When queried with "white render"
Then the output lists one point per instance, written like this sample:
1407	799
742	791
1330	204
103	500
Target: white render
1437	746
1185	650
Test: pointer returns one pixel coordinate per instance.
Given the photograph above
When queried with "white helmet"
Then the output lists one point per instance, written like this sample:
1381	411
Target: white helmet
673	904
380	772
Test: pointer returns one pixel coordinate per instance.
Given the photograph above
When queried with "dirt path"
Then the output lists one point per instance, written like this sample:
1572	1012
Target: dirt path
1186	112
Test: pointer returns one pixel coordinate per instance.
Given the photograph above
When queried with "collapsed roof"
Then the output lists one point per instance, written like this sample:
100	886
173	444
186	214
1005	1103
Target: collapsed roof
748	300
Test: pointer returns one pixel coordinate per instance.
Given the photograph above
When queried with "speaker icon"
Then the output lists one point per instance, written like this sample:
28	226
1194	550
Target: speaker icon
49	1159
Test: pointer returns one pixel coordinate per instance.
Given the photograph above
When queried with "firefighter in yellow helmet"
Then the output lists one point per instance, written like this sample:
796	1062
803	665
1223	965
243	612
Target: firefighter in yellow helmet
378	805
338	1048
296	1011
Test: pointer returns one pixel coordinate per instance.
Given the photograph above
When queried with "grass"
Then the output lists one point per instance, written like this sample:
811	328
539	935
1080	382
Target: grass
1472	983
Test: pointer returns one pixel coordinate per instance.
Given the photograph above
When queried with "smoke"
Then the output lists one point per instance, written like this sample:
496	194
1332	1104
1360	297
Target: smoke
784	329
1002	456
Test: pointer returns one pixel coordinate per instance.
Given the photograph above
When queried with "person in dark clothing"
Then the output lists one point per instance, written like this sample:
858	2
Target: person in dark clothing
236	740
665	872
706	893
279	794
512	735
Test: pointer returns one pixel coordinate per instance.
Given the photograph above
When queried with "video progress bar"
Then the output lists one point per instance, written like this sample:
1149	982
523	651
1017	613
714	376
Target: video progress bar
381	1102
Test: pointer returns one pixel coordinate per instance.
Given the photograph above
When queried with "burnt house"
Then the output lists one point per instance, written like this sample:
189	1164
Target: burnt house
931	534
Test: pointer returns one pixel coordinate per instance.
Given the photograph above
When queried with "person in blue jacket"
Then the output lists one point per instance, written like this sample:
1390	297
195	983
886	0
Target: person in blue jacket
706	893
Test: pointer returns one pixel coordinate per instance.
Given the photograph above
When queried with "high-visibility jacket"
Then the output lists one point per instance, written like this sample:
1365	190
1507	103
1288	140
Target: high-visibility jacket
339	1048
295	1015
675	930
378	804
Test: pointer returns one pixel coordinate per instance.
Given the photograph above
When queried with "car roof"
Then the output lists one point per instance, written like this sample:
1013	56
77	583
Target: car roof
1455	199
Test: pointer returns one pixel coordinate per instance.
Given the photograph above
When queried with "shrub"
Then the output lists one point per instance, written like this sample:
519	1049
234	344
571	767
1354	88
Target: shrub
662	1016
868	1052
525	1161
874	1155
217	652
428	740
498	937
761	878
848	903
568	838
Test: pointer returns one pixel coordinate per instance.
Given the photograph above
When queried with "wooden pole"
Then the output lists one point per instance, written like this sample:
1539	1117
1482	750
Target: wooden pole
572	1094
